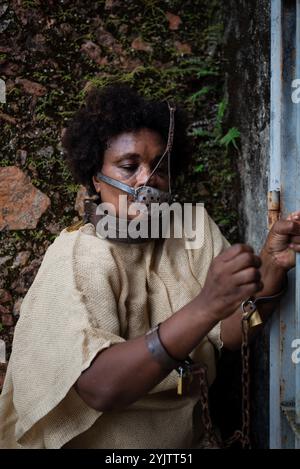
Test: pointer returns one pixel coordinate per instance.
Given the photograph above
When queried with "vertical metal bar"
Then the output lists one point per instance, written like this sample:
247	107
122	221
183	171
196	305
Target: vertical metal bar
297	309
289	188
276	96
275	185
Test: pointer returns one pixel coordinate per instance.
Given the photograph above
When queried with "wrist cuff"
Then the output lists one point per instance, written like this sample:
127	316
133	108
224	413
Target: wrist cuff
159	352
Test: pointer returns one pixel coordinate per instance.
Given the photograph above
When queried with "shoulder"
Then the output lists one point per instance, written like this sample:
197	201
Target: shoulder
78	241
80	254
200	230
210	242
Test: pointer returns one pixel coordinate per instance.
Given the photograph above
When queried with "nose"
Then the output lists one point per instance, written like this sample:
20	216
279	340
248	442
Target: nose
143	176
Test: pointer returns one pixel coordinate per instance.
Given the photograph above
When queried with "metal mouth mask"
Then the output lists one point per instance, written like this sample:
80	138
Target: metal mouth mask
144	194
147	194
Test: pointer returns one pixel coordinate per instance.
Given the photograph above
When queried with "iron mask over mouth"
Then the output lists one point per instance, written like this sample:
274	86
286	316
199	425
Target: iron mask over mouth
147	194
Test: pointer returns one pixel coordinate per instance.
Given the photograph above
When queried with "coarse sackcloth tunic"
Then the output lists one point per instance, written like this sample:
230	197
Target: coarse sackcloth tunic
89	294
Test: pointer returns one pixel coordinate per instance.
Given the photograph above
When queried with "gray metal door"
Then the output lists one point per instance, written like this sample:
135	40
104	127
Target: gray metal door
285	180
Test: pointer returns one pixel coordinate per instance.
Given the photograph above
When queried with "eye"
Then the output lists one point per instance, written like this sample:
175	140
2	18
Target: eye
129	168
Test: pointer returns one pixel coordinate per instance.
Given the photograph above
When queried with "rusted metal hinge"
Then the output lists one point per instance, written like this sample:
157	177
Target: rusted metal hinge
273	207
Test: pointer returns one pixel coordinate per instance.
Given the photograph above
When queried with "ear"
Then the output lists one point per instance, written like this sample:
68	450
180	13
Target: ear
97	184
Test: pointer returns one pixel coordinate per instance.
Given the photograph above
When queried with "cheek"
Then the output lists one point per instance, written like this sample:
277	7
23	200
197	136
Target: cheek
108	194
111	195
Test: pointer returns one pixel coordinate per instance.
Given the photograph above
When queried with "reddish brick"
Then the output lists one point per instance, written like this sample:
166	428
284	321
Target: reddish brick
24	204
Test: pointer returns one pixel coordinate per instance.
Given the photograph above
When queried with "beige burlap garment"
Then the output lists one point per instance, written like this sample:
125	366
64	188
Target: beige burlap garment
88	294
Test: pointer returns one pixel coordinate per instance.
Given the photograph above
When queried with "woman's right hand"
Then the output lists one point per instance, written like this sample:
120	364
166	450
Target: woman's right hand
232	277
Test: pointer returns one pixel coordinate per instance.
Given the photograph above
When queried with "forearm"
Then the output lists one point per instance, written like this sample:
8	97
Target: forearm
123	373
273	279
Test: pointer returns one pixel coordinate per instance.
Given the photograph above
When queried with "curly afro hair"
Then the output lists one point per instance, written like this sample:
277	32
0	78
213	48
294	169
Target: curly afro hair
108	112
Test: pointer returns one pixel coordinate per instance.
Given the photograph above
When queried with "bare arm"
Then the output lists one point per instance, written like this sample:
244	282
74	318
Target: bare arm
278	256
273	278
123	373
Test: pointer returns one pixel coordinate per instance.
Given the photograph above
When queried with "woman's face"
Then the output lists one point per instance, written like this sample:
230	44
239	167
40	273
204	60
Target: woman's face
130	158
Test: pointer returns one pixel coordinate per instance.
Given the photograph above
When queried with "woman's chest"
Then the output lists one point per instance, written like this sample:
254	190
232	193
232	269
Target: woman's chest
152	291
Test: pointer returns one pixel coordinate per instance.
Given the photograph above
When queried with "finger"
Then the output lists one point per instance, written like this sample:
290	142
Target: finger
294	215
295	247
251	289
250	275
234	251
244	260
295	240
287	227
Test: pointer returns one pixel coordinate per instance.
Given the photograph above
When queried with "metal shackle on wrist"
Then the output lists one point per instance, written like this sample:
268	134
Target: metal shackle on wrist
249	306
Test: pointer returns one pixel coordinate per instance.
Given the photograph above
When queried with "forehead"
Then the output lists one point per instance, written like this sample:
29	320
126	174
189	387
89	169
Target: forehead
143	142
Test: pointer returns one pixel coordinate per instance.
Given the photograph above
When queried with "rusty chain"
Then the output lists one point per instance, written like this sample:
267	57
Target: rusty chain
210	434
243	435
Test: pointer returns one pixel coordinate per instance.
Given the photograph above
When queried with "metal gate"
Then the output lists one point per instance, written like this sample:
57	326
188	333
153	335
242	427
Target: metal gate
285	182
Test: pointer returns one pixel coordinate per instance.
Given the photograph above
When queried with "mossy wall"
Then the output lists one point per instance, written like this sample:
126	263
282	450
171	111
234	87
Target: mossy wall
247	52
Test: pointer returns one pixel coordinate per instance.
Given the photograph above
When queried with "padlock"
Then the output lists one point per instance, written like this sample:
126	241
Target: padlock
255	319
250	313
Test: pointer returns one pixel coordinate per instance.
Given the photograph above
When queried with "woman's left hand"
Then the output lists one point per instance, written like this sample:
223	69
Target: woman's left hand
283	241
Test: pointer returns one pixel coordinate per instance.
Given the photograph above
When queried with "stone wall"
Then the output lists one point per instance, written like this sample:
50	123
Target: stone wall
247	51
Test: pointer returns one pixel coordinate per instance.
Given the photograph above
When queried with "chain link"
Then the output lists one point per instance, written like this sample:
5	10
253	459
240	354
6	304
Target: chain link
206	418
242	436
245	440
